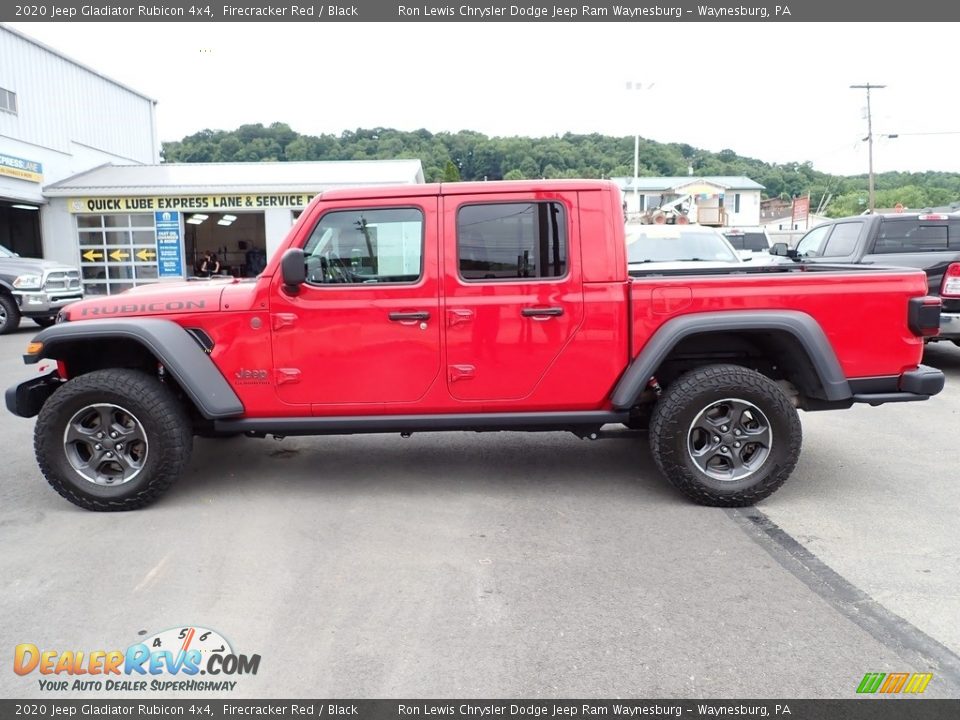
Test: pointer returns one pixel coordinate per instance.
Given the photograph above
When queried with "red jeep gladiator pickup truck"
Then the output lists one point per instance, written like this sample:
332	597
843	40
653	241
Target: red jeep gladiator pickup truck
473	306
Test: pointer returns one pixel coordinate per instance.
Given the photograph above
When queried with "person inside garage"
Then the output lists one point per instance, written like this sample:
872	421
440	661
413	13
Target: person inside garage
209	266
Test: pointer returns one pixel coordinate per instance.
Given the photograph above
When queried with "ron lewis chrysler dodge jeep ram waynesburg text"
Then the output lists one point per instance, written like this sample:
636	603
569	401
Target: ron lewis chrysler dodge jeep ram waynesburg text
473	306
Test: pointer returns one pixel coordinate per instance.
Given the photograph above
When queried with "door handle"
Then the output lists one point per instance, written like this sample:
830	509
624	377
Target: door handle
457	316
409	316
542	312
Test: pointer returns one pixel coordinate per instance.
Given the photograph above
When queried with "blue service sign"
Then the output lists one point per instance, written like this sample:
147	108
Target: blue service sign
169	244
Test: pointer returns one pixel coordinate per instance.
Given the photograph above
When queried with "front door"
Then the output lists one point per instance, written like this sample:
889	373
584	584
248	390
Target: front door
365	328
513	292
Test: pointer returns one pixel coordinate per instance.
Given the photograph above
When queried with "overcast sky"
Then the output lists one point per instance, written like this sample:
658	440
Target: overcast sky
777	92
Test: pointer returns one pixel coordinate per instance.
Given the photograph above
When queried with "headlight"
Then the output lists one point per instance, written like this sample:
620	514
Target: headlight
28	282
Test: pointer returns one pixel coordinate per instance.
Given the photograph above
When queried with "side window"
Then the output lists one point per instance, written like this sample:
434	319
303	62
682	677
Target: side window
843	239
357	247
508	241
810	244
910	236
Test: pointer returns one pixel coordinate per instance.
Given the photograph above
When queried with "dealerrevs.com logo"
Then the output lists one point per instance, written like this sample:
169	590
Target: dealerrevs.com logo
189	659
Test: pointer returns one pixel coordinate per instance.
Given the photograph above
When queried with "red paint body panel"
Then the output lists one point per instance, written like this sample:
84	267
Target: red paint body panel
864	315
332	349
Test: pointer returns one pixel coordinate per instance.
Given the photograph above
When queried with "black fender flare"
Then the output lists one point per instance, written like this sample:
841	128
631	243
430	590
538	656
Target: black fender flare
171	344
801	326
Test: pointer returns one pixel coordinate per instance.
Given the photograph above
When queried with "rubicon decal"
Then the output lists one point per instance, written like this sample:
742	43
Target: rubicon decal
170	660
155	307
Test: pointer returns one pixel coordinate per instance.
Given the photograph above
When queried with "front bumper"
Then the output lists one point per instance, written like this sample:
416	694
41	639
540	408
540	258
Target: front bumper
917	384
26	399
39	303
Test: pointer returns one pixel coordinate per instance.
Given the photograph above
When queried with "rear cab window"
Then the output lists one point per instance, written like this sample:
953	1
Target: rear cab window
917	235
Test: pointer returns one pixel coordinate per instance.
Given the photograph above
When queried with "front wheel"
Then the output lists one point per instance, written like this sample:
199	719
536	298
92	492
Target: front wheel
112	440
9	314
725	435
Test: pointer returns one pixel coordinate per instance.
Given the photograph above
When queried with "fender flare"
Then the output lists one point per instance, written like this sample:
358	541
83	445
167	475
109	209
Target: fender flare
799	325
172	345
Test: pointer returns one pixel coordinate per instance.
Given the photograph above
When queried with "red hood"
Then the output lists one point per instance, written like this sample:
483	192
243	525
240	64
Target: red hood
161	298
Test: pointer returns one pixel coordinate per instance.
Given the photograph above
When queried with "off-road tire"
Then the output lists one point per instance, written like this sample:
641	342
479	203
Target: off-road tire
164	421
696	391
9	314
44	322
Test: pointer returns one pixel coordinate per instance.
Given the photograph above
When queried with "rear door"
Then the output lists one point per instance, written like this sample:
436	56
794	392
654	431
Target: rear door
513	291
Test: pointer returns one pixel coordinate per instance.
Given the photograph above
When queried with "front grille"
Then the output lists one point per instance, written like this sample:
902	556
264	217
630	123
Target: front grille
62	280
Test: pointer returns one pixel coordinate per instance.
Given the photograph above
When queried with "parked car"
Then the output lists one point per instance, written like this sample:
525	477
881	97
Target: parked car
748	241
480	306
670	247
928	241
34	288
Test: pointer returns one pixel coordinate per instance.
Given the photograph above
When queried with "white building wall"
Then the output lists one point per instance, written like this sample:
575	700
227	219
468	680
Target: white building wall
276	225
59	230
749	207
62	104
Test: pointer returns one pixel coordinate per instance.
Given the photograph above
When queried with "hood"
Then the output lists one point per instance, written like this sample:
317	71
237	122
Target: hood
22	266
162	298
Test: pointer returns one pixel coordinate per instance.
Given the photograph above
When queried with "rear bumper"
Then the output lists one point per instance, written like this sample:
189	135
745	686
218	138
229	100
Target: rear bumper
917	384
949	326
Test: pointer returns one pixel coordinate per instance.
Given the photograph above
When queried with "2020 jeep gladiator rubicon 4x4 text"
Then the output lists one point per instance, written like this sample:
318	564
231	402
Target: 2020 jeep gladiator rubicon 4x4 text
473	306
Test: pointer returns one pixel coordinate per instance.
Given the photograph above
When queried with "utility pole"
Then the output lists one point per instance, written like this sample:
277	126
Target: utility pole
869	138
634	86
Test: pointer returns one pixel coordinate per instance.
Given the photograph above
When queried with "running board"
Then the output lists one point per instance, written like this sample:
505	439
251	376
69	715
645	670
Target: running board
480	422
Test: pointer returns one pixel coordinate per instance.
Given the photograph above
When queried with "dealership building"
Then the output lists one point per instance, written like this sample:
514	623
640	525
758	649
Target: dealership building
81	180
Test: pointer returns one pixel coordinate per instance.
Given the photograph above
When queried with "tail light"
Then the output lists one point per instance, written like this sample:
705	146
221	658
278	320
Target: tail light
951	281
923	316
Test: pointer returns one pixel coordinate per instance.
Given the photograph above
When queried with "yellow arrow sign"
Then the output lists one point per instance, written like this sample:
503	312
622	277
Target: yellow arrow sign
119	254
146	254
92	255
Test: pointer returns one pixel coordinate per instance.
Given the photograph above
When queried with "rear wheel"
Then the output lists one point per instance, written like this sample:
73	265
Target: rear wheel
725	435
112	440
9	314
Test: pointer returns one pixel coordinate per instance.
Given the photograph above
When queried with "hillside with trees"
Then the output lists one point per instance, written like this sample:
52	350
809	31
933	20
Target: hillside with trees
468	155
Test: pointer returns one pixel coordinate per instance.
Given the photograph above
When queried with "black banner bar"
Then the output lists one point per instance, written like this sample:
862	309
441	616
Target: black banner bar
873	708
480	11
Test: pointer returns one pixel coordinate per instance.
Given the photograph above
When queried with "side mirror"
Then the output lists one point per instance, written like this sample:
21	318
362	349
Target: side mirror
293	269
779	248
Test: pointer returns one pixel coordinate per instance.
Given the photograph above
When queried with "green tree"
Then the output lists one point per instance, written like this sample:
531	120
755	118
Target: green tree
450	173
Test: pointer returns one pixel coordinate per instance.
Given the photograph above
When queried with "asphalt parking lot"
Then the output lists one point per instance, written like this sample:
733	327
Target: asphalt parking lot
509	565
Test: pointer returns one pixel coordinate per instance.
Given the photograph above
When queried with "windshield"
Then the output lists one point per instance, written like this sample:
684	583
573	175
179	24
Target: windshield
6	253
675	243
